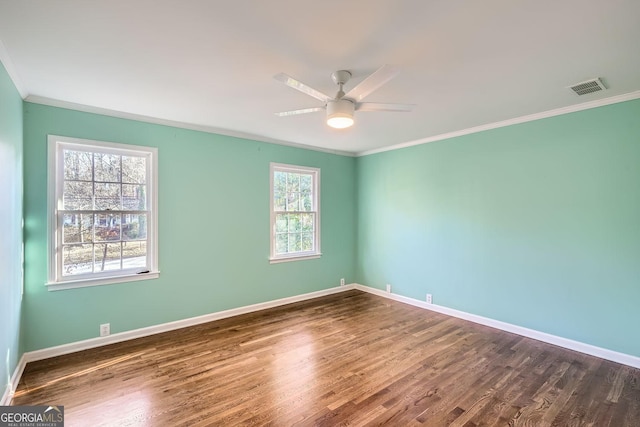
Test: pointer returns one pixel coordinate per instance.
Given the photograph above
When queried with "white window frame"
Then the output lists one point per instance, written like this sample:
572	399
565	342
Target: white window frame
56	281
295	256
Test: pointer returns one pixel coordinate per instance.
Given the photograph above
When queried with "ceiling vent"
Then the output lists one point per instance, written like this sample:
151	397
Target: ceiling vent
590	86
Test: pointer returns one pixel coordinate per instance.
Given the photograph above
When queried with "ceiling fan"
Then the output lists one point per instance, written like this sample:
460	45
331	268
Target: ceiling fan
341	108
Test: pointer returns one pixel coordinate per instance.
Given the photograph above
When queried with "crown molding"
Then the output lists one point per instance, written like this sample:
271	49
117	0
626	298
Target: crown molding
34	99
242	135
523	119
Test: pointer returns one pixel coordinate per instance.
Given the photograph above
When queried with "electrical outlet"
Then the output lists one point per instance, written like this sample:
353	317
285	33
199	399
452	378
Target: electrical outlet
388	288
105	329
342	282
429	299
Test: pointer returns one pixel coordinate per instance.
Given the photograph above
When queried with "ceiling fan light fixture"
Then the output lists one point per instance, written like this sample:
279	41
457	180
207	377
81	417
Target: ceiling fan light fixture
341	108
340	113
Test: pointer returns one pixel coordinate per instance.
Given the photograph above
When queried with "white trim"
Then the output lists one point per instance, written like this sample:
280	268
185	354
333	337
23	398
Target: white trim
295	256
72	284
34	99
13	383
11	70
52	203
56	145
603	353
244	135
60	350
523	119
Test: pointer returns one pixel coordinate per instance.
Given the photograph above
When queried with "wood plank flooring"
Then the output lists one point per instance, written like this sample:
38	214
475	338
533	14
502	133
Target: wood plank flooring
346	359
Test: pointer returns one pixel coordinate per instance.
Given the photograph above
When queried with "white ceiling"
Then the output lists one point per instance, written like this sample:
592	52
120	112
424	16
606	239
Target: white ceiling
210	64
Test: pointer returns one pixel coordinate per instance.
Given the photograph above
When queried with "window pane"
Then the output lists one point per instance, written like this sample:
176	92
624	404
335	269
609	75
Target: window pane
307	241
293	201
134	254
306	221
305	183
77	259
107	167
134	227
279	202
78	165
107	196
282	223
107	257
134	170
295	244
306	201
134	197
107	227
77	195
282	243
294	223
293	182
77	228
279	182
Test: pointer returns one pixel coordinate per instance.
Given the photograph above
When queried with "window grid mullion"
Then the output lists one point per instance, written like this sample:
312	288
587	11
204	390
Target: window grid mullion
121	191
93	252
93	181
286	195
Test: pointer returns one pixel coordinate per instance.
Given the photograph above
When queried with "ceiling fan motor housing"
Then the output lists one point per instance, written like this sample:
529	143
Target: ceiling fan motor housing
340	113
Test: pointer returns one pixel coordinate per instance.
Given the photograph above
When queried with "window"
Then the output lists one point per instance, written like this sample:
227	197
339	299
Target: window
295	213
102	213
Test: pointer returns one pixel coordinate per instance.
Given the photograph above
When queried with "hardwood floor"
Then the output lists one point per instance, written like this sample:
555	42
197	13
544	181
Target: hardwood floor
346	359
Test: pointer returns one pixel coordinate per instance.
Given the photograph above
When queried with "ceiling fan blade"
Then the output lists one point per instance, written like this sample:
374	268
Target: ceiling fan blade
302	111
373	82
298	85
376	106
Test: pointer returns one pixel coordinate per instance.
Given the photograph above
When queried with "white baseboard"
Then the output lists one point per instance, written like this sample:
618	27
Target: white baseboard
13	383
45	353
60	350
603	353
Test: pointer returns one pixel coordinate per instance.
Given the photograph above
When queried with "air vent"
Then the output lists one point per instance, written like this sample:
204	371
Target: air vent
590	86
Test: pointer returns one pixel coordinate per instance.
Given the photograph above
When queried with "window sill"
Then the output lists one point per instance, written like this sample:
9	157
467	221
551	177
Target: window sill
294	258
72	284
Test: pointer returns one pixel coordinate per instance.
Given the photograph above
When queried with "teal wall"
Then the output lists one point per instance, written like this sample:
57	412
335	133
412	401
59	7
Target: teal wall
213	229
11	222
536	224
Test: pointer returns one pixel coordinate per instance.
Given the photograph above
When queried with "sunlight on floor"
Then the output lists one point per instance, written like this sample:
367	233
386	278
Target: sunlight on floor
293	371
79	373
